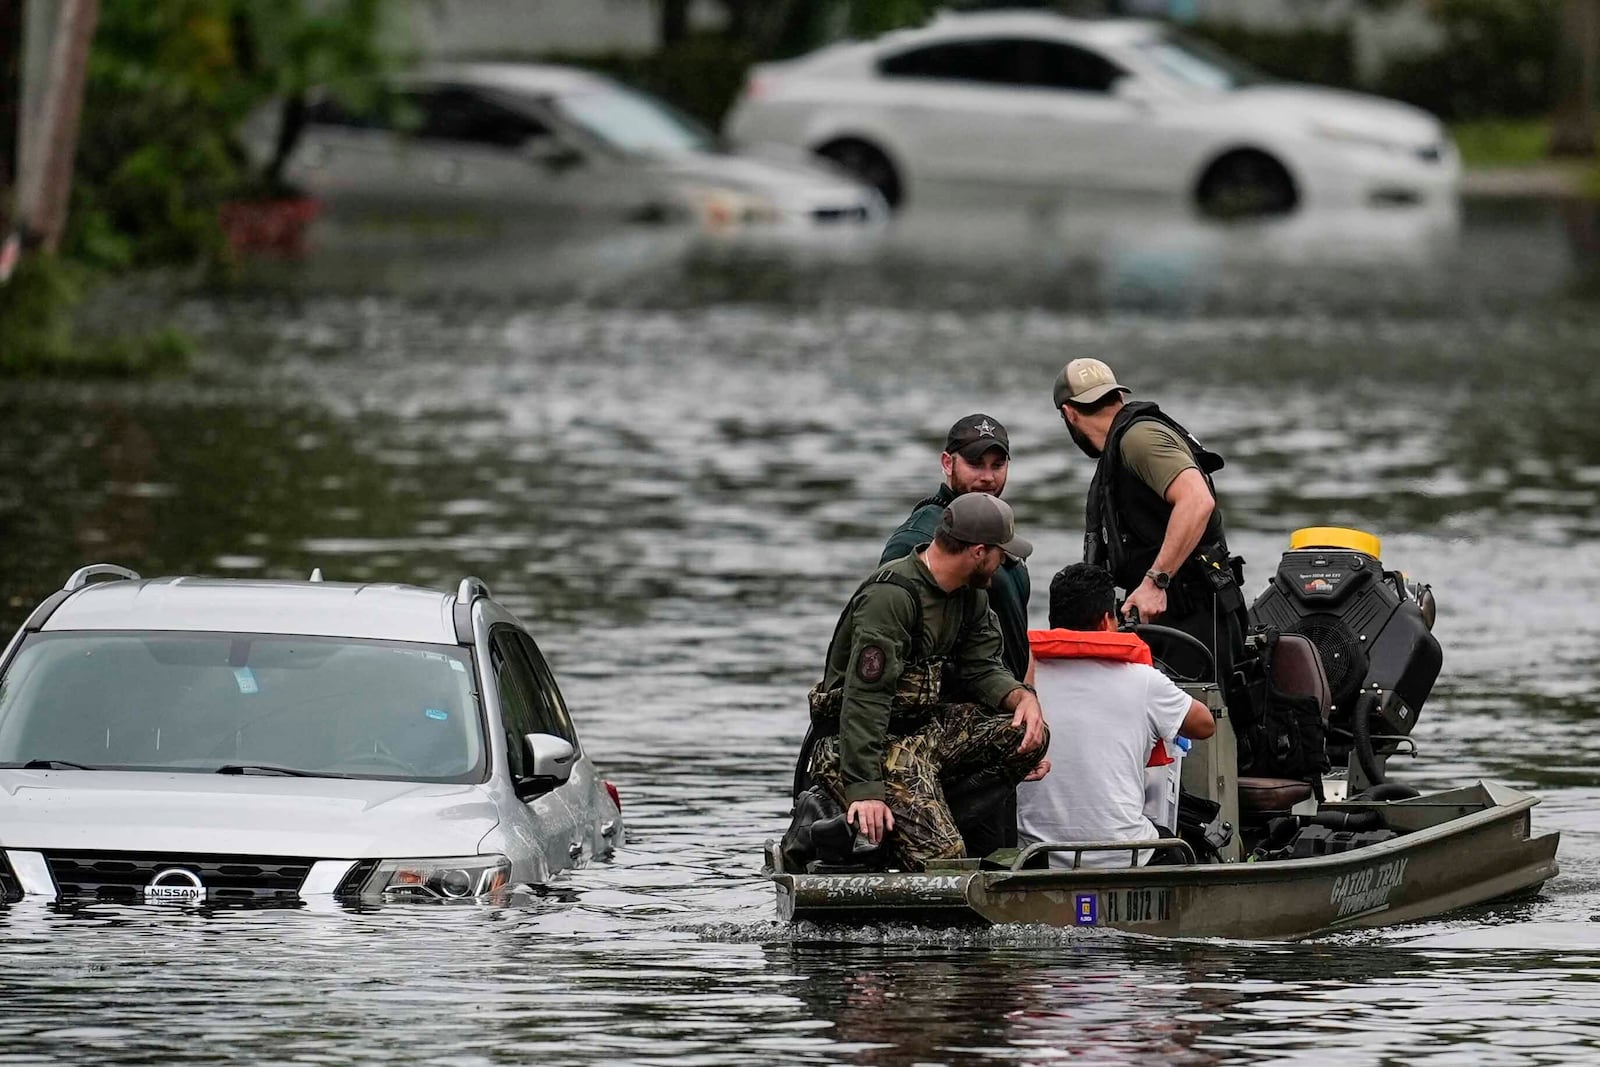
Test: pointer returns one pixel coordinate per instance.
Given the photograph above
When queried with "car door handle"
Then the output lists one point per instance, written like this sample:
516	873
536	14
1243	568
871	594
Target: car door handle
575	849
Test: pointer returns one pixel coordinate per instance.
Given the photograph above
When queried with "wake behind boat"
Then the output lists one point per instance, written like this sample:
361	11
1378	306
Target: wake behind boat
1265	859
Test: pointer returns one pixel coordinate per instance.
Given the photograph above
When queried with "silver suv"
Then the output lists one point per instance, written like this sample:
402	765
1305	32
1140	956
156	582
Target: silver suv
222	741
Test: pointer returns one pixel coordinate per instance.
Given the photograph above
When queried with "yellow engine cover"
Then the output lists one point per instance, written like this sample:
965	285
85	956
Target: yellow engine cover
1337	537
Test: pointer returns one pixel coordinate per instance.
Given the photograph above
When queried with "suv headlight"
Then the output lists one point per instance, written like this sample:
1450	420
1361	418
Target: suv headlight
449	878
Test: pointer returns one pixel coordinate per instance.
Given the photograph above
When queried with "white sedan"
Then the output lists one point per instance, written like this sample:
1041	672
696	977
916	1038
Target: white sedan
1046	105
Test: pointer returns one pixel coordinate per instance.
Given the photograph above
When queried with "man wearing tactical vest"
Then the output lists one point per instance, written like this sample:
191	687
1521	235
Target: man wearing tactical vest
976	459
888	733
1152	517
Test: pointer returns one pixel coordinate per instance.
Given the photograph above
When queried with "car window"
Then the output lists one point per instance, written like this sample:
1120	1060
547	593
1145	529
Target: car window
551	708
1008	61
452	113
520	699
202	701
1198	63
977	60
1054	65
327	111
633	122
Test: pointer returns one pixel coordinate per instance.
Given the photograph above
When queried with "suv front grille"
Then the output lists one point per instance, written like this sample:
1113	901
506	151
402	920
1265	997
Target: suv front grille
10	888
122	876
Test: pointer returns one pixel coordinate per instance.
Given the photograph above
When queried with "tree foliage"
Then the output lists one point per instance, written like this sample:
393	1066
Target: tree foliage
169	86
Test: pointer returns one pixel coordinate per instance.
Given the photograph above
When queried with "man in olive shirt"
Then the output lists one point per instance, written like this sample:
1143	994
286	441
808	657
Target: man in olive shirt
888	736
1152	518
976	459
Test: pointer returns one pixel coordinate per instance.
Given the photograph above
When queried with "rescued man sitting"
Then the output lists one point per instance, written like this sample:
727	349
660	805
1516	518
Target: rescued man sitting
1105	705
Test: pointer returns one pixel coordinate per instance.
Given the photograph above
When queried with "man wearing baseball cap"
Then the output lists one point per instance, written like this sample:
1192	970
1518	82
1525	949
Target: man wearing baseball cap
976	459
888	736
1152	518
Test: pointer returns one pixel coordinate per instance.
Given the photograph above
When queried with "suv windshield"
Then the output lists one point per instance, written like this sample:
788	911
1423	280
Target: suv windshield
634	123
250	703
1198	63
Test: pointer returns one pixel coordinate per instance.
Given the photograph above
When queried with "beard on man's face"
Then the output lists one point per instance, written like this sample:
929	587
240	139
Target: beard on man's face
1083	443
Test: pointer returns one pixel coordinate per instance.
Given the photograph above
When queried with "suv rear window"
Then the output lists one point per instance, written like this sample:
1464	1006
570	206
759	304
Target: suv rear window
327	707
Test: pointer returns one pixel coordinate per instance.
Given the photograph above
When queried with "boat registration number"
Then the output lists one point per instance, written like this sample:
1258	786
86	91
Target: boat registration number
1136	906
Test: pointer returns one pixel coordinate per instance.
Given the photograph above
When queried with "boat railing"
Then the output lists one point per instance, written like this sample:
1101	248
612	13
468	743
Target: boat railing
1078	848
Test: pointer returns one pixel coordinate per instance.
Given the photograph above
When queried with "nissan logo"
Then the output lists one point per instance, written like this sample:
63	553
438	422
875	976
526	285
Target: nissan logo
177	885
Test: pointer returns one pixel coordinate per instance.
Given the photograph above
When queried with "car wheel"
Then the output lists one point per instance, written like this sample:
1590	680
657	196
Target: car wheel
1246	184
868	164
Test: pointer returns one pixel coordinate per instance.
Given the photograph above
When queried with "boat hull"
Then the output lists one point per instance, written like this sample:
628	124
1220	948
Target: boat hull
1457	848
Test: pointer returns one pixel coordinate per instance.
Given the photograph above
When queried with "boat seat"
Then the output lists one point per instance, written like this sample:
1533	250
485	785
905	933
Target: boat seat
1298	670
1262	796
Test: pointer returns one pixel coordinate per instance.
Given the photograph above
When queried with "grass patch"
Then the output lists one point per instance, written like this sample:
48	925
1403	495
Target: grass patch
38	338
1502	142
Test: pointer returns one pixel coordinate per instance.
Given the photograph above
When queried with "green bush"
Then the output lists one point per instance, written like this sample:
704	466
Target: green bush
1499	60
37	309
1308	54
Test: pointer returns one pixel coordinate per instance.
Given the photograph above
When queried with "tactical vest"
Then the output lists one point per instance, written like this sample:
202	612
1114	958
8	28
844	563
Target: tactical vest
921	684
1126	520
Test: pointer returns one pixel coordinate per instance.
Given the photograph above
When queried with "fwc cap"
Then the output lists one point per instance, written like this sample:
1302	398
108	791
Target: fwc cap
1083	381
975	435
981	519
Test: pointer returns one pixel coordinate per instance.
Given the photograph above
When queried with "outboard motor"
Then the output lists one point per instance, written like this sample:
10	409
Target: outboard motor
1373	629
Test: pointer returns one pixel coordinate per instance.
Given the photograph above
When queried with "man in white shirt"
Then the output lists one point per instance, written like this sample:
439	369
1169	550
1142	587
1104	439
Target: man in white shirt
1106	706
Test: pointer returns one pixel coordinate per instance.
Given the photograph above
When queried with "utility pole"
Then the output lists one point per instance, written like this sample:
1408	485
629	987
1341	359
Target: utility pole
44	180
10	102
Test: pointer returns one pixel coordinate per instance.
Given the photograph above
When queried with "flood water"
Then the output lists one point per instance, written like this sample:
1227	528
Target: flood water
674	461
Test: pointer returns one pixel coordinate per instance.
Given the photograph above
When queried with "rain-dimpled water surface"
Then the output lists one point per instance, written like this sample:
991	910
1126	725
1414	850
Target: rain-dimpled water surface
674	459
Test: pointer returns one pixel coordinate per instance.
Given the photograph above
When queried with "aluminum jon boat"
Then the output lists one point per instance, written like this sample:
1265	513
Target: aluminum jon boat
1284	858
1451	850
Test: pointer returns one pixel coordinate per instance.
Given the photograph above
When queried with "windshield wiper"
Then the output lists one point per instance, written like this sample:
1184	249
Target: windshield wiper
50	765
268	768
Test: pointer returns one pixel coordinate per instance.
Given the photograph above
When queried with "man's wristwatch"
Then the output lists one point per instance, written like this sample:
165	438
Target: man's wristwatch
1161	578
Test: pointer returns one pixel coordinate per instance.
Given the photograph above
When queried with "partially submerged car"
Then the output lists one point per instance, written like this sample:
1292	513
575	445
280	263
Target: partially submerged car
523	142
232	741
1042	106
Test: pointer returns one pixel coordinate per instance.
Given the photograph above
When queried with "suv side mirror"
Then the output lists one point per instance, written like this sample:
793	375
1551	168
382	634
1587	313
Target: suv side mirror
549	759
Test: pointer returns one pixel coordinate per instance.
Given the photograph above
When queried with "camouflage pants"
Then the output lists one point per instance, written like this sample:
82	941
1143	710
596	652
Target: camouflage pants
959	740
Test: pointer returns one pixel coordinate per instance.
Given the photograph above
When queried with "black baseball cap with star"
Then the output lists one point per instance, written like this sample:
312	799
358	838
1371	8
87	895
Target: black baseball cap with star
974	435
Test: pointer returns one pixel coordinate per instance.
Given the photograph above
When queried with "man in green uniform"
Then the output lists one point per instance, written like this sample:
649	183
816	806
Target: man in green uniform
888	735
1152	517
976	459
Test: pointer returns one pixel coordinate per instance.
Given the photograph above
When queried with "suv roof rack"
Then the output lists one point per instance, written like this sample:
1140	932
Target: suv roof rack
80	579
81	576
469	590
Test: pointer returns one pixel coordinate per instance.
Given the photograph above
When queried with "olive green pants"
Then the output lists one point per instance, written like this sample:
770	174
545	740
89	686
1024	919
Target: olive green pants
957	741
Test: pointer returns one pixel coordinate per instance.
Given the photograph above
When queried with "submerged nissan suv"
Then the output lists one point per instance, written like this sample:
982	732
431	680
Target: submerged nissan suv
231	741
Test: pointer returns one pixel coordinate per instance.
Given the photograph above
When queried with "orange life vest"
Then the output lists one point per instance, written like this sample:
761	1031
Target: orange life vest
1089	644
1113	645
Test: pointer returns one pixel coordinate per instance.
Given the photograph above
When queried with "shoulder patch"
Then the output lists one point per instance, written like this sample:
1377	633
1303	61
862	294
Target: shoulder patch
869	664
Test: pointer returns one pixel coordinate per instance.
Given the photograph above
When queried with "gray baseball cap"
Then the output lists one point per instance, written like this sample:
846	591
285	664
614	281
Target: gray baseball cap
981	519
1083	381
